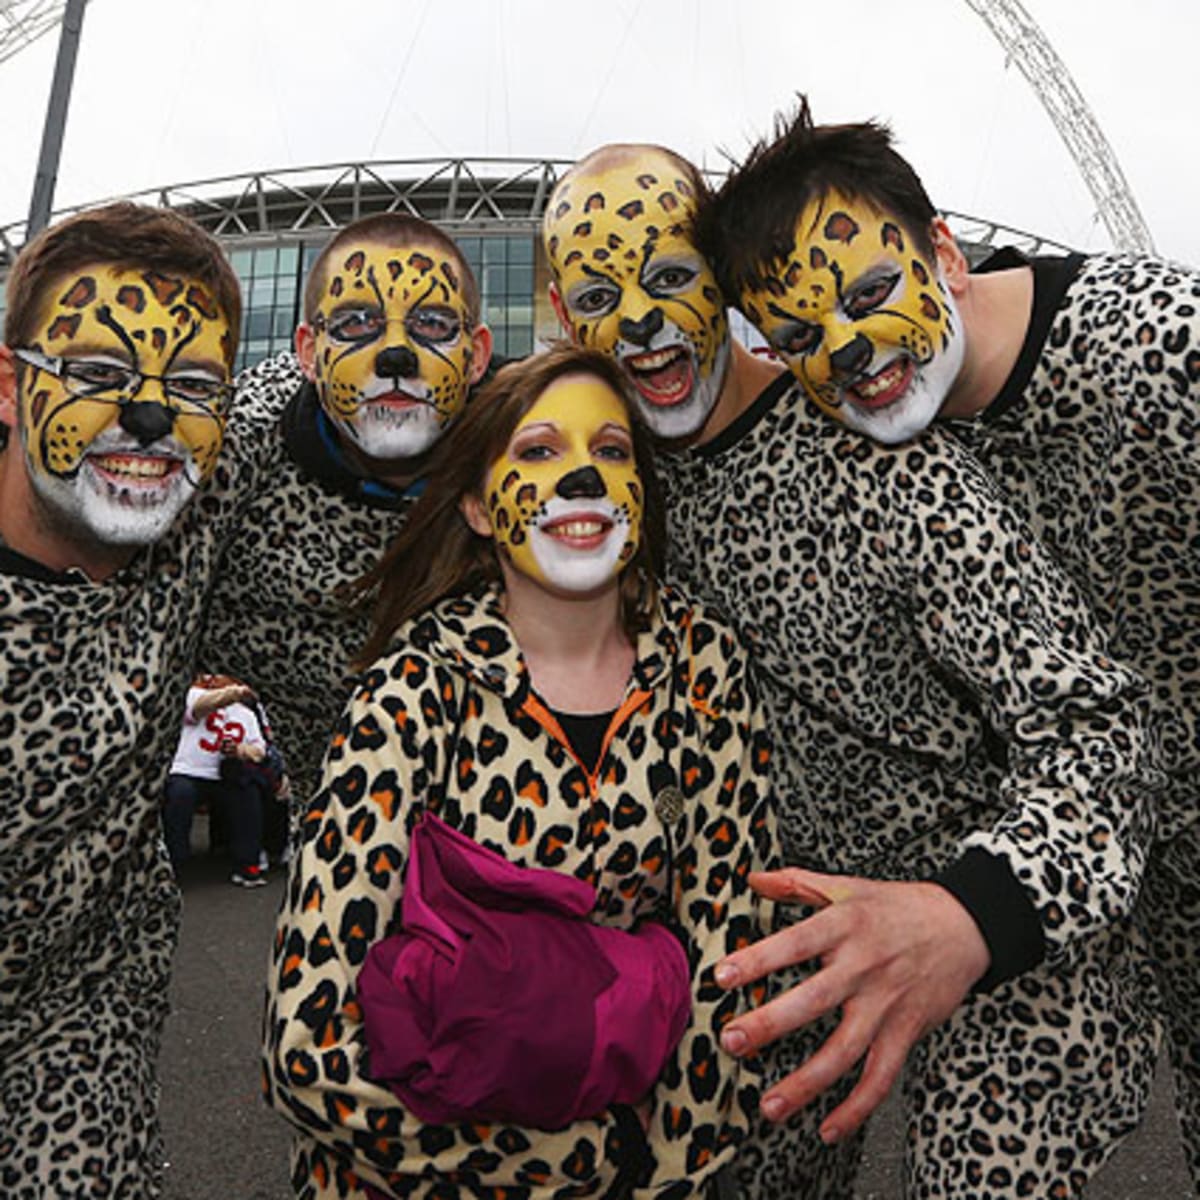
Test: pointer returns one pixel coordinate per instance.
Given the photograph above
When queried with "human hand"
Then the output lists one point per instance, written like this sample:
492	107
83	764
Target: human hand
250	753
898	958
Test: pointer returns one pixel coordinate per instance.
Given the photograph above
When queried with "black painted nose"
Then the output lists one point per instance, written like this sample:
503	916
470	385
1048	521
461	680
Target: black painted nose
397	362
641	332
147	420
584	483
852	357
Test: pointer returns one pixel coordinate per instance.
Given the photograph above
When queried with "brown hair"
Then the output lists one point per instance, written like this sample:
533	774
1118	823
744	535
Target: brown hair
389	229
750	223
122	235
437	554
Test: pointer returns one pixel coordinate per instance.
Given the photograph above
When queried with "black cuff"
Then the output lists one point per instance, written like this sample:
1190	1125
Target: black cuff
986	887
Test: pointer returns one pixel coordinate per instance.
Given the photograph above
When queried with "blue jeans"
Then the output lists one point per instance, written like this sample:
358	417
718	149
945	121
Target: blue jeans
239	803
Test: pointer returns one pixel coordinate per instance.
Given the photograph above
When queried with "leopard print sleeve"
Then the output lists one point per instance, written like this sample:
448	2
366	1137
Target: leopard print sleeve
992	608
705	1100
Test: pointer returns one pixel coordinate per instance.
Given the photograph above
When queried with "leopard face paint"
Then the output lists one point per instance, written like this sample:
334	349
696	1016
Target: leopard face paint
118	462
565	499
393	349
634	287
863	319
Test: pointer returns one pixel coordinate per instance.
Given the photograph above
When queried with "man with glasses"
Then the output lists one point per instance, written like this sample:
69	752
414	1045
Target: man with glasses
389	346
120	334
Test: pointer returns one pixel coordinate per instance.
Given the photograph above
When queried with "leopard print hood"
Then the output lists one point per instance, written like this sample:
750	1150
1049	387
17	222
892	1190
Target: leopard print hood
470	634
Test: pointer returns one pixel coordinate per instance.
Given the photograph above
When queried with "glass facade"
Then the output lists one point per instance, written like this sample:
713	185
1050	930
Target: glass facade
503	265
271	280
273	277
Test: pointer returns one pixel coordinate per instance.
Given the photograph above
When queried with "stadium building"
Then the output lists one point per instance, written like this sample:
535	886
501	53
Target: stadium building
273	224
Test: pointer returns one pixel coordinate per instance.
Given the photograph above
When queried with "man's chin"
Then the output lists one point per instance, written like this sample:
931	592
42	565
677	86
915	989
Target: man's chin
385	436
94	517
898	422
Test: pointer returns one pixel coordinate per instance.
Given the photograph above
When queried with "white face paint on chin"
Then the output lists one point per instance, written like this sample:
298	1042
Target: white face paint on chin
671	419
920	404
387	430
123	493
577	543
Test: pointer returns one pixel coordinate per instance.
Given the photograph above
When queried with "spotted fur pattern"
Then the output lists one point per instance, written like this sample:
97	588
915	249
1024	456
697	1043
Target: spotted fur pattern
275	620
91	698
932	683
517	788
1101	454
56	426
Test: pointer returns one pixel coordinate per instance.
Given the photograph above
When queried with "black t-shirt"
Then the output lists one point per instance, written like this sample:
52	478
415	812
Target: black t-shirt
585	732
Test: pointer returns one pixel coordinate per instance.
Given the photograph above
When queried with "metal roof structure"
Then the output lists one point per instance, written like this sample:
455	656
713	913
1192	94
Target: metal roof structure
459	194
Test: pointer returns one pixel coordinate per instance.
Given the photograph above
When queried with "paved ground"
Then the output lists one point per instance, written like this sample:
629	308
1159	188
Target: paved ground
223	1144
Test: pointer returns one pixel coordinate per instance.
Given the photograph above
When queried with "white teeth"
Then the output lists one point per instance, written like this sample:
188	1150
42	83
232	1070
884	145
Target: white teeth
579	528
140	468
887	378
653	362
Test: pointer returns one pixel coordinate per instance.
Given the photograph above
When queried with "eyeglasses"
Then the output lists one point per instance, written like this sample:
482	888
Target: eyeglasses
424	325
95	377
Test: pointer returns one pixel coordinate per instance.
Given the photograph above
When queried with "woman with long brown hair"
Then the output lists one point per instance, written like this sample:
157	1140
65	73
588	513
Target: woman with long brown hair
534	706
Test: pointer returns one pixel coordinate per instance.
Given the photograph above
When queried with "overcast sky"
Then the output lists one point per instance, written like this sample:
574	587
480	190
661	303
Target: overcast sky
169	91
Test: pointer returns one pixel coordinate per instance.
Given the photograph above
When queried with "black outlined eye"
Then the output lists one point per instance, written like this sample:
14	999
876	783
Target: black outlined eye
594	300
90	375
356	324
433	324
870	296
796	338
672	278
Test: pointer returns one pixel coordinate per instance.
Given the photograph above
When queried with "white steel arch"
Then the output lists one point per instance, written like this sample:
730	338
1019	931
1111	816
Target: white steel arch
22	22
1047	74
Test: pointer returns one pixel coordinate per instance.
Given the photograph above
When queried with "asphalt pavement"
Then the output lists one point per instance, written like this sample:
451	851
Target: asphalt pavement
224	1144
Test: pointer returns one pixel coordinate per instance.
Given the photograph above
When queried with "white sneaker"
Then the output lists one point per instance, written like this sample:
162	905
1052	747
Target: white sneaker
264	862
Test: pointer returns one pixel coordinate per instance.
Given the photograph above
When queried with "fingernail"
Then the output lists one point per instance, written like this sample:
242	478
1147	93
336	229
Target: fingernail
734	1041
830	1134
726	975
772	1108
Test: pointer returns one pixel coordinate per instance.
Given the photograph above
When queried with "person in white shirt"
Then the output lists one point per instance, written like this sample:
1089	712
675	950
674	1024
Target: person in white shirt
220	724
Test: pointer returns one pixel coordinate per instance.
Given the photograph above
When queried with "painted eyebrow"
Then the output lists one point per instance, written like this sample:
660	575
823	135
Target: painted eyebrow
183	365
83	349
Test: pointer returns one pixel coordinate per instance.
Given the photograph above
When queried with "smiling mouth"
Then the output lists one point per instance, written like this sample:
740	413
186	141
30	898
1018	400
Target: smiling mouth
135	470
663	377
885	387
582	533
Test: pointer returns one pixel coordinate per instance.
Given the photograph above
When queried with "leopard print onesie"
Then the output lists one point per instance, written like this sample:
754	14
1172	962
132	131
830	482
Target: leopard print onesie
1095	440
274	620
94	680
941	709
455	685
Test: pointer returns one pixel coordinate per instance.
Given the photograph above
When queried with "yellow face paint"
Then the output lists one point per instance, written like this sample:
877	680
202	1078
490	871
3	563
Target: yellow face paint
393	350
634	287
117	410
863	319
565	498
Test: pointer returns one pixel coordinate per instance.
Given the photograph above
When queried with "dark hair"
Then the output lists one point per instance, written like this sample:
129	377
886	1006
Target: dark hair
750	223
121	235
389	229
437	554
